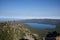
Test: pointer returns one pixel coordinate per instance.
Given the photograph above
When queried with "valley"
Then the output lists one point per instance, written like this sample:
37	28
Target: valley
34	30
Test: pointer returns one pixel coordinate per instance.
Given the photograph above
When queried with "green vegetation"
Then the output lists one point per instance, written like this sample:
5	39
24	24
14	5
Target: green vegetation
43	32
9	33
16	31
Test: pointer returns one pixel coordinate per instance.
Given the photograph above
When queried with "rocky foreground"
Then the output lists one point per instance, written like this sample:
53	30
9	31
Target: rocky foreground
16	31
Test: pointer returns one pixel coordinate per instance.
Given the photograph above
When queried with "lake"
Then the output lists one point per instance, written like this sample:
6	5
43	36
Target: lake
42	26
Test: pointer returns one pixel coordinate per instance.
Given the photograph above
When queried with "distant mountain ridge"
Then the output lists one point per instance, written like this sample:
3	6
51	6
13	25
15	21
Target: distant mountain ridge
42	21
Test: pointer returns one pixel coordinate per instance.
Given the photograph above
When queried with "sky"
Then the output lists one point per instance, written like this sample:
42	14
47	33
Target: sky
30	9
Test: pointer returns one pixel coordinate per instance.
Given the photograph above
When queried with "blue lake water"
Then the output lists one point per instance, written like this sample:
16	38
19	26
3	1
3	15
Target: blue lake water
42	26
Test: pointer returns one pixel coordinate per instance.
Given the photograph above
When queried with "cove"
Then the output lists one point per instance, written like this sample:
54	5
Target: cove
42	26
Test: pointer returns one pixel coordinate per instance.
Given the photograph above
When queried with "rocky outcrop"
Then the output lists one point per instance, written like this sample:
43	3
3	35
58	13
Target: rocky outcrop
15	31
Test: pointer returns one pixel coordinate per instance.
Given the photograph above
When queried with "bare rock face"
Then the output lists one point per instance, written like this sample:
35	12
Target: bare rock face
15	31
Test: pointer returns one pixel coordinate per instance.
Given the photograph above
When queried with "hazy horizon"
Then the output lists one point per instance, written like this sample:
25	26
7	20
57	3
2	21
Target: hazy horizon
2	17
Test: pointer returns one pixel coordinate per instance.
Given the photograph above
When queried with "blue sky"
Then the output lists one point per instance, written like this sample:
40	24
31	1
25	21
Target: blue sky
30	8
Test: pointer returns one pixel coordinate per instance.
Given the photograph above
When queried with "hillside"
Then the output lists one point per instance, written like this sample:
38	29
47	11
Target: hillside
42	21
43	32
16	31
